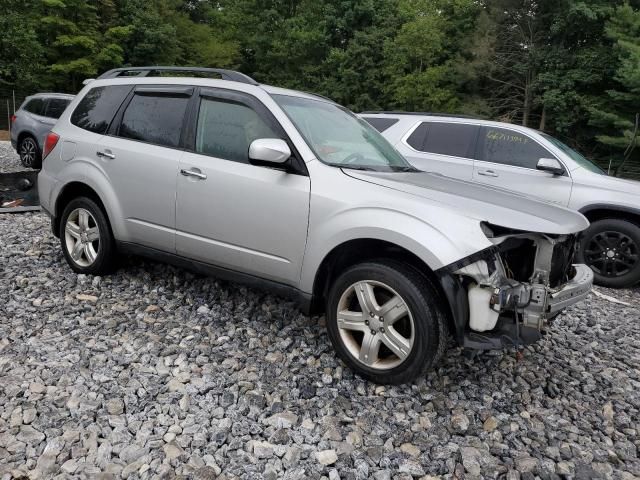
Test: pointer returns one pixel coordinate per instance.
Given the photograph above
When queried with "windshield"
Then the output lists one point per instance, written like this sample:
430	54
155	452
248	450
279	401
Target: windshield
575	156
339	138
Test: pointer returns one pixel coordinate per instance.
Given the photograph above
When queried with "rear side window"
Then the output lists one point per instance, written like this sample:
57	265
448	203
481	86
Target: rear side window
154	119
35	106
416	139
499	145
226	129
96	110
453	139
381	124
55	107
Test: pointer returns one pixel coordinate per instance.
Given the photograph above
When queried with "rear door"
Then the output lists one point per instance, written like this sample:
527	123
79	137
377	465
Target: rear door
508	158
230	213
441	147
140	157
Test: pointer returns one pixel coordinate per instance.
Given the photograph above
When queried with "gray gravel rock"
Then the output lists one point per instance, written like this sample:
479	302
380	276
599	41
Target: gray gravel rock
128	375
9	160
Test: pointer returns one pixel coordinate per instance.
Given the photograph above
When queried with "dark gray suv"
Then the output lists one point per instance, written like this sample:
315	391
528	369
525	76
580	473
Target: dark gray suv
31	123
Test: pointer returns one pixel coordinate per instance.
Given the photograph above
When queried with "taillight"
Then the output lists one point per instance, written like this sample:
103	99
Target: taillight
50	143
13	118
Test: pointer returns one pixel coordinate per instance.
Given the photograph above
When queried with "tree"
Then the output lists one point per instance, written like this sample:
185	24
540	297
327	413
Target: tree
614	114
20	50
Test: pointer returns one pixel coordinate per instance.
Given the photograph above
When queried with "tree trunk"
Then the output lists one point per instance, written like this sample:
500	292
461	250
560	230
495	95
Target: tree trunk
543	118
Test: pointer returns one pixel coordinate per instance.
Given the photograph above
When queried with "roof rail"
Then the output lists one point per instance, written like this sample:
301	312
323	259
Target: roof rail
230	75
424	114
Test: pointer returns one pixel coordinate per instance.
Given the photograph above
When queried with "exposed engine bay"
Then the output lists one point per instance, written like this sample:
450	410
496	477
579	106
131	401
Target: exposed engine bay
514	287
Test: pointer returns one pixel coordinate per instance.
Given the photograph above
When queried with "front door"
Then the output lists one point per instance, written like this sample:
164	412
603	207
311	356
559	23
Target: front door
508	159
230	213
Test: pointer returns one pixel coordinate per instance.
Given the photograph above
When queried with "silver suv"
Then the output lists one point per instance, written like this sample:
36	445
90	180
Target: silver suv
288	191
31	123
532	163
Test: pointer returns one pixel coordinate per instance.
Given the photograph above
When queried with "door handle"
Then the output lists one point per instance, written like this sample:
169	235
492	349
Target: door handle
106	154
193	173
488	173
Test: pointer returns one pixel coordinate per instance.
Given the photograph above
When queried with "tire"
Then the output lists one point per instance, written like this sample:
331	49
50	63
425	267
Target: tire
416	330
30	155
85	226
612	249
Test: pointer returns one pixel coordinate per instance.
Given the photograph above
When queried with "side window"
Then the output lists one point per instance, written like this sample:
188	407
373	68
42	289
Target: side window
381	124
417	137
499	145
96	110
35	106
154	119
453	139
55	107
226	129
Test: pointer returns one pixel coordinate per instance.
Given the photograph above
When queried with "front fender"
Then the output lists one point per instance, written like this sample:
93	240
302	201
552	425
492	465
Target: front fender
429	243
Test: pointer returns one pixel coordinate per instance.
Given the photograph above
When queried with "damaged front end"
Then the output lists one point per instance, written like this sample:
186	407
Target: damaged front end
513	288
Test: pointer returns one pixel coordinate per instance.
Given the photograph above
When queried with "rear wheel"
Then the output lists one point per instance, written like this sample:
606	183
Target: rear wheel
86	239
386	321
612	249
29	152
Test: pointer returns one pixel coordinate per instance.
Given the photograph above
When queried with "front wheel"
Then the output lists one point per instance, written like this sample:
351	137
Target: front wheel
611	248
386	321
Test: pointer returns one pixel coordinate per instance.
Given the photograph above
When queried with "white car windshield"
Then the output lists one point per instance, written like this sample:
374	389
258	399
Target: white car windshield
339	138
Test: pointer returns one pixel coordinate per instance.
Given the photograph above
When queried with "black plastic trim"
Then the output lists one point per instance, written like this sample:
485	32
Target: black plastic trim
458	302
605	206
302	298
487	253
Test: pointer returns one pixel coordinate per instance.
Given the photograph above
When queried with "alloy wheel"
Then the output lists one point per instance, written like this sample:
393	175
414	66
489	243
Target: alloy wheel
82	237
28	152
611	254
375	324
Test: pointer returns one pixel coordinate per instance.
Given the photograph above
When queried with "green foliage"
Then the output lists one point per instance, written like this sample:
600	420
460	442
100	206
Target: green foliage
570	67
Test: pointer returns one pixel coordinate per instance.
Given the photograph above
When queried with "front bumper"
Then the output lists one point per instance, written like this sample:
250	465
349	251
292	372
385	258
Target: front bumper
573	292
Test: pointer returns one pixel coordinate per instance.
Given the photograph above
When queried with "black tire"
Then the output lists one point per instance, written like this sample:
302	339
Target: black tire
104	248
424	304
30	154
612	249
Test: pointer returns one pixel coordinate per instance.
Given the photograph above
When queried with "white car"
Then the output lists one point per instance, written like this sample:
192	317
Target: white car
531	163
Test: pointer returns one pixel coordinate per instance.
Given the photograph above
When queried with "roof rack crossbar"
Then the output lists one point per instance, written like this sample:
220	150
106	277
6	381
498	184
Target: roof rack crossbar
225	74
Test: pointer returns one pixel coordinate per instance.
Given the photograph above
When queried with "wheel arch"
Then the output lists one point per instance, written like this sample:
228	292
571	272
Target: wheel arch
354	251
597	212
70	191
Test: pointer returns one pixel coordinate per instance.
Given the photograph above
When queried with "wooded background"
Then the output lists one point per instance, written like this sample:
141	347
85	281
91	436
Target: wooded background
568	67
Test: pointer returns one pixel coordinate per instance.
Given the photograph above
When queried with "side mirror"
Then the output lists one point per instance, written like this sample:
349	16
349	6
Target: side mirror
270	152
550	165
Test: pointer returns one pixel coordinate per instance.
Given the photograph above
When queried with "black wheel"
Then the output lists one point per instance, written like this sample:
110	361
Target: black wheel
29	152
386	321
86	238
612	249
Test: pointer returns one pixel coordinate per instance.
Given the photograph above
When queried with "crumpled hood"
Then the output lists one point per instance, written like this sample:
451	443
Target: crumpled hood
496	206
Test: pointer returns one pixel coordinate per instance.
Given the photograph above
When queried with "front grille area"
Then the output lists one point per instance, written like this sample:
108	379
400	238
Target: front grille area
519	258
562	261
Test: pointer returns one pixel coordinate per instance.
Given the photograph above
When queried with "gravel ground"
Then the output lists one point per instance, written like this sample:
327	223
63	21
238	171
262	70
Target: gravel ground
154	372
9	160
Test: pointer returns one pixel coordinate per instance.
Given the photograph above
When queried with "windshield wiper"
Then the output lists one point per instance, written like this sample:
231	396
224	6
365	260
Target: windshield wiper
406	169
353	167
